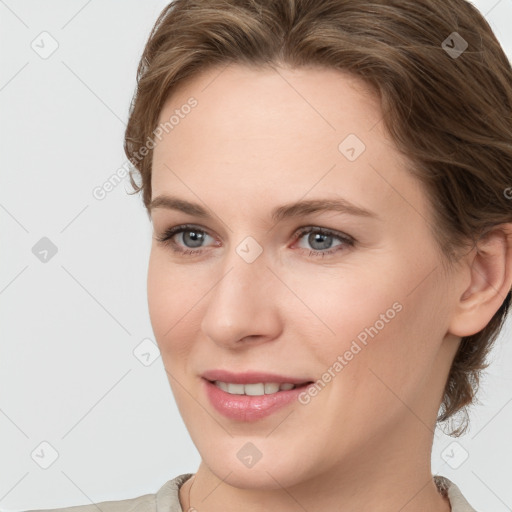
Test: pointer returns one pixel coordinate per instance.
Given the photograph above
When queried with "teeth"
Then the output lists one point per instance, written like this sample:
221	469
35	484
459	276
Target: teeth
221	385
257	389
253	389
235	389
270	387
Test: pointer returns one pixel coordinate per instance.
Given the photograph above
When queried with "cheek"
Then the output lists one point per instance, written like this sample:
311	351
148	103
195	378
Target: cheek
171	298
375	334
345	306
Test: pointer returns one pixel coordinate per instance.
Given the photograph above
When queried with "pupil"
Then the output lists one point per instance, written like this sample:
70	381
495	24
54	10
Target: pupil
317	237
196	239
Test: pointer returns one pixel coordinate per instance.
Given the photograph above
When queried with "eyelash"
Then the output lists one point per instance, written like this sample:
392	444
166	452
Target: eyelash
166	239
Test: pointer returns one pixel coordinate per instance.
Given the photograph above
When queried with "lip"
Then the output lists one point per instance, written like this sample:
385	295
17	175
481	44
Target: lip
248	407
251	377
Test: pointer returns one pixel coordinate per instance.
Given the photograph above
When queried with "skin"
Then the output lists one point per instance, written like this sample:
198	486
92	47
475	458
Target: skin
257	139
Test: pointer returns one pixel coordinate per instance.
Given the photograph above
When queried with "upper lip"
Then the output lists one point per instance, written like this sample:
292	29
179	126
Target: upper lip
251	377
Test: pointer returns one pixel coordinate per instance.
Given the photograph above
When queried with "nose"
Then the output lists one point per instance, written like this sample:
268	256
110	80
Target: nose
243	304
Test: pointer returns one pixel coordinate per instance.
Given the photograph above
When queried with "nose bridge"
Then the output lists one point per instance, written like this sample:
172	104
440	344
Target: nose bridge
240	304
245	270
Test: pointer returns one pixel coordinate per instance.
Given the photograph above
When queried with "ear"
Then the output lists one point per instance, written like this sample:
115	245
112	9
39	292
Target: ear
490	275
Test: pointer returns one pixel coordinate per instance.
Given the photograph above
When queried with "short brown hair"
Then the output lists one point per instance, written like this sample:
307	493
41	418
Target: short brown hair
448	112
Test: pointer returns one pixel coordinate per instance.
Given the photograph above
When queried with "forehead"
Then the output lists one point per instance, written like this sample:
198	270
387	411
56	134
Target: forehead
240	100
253	130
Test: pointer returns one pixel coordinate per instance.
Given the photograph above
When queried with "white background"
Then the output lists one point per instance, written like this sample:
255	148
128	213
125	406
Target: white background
68	375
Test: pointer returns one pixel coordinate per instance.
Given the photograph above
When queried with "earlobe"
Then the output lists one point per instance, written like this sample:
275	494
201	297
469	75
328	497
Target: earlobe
490	272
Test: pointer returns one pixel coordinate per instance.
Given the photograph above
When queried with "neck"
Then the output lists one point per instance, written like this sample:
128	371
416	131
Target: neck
395	475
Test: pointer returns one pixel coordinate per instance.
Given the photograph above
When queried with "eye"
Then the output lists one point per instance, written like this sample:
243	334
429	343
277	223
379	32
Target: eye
321	240
191	238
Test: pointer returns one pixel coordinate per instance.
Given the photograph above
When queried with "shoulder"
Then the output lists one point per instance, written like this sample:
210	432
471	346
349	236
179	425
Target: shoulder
165	499
457	501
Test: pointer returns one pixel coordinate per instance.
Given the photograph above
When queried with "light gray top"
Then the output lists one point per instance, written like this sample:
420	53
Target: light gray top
166	499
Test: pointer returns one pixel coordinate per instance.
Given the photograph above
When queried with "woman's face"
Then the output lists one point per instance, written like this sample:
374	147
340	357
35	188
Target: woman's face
243	290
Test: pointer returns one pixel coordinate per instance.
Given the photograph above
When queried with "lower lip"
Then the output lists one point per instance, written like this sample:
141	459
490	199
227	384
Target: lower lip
249	408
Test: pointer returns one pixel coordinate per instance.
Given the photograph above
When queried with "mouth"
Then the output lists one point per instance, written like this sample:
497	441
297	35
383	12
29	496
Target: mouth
252	401
257	388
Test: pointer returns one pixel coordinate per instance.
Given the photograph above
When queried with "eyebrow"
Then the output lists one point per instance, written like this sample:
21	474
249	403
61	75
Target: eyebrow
297	209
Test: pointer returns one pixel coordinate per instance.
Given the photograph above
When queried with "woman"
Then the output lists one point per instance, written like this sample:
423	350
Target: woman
332	260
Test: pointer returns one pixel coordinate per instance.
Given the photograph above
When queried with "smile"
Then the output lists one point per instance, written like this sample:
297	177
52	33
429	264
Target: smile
253	401
256	389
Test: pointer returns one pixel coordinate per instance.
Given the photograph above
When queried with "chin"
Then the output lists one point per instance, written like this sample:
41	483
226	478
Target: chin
273	465
263	476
